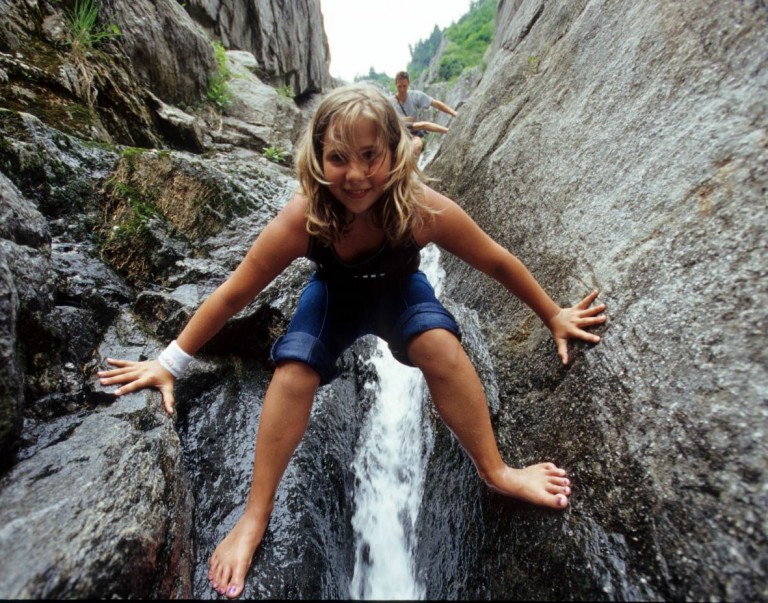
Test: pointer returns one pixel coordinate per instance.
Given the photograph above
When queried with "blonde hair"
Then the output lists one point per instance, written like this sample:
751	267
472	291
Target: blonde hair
401	208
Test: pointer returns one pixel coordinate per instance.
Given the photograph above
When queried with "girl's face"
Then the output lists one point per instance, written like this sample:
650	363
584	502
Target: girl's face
357	181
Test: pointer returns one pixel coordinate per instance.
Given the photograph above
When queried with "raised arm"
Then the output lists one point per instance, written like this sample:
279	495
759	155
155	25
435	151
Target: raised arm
453	230
441	106
282	241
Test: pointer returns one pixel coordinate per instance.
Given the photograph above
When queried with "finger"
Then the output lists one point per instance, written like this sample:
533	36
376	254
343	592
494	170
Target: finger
124	376
587	336
562	350
119	362
585	303
116	372
594	310
131	387
168	400
595	320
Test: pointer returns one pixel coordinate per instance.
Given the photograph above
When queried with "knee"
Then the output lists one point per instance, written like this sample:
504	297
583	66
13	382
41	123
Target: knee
437	352
296	378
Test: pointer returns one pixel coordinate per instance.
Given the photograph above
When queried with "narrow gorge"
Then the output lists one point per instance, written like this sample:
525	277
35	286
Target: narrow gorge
611	145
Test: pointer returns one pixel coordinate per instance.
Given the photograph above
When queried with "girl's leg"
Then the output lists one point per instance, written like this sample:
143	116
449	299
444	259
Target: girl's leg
284	419
460	400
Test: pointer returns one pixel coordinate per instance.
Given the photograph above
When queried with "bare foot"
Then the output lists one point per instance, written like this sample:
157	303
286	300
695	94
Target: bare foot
232	558
544	484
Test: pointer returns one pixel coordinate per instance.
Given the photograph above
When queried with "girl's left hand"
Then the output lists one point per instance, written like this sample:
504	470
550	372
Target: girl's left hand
570	322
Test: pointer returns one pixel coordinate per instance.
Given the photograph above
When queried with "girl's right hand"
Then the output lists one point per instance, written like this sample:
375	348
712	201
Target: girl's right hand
138	375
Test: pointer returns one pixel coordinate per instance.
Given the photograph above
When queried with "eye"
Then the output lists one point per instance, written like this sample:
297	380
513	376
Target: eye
373	156
334	157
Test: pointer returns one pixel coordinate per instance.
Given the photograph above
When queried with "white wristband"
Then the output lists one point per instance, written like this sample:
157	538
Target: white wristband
174	359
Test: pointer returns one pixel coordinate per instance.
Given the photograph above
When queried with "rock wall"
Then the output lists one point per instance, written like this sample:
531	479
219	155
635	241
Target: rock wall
623	147
104	249
287	38
619	146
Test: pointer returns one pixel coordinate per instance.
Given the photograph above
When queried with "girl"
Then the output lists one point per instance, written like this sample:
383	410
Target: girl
362	215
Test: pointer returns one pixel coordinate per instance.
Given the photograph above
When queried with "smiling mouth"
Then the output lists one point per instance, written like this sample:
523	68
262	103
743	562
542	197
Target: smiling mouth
357	193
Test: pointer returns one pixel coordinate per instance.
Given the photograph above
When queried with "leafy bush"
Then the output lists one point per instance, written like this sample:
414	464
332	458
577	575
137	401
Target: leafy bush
274	154
218	89
450	67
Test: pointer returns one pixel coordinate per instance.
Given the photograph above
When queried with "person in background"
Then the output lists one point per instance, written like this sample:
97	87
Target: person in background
408	102
362	214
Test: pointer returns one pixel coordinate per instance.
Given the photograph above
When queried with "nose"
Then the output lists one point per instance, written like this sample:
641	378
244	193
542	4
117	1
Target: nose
357	170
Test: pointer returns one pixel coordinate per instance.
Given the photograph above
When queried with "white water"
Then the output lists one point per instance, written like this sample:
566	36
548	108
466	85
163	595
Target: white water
389	470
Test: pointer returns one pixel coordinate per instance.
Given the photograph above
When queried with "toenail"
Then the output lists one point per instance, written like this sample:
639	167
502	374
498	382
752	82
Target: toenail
566	482
231	590
220	591
214	584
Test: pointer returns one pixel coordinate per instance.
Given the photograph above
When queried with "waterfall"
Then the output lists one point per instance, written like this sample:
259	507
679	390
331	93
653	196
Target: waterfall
389	470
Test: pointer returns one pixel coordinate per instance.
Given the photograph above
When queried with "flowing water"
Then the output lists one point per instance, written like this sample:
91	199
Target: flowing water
389	470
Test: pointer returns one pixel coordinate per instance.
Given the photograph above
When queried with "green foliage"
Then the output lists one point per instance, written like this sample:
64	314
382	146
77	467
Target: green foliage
136	222
84	32
286	91
274	154
131	153
468	40
218	88
533	66
423	52
450	67
386	82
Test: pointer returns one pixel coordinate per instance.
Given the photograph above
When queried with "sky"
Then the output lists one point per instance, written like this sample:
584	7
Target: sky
364	34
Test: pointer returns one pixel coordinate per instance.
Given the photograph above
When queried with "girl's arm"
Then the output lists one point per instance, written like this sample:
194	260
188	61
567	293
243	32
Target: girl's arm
282	241
453	230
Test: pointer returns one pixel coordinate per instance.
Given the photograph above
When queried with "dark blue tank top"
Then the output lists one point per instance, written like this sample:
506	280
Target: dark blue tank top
383	265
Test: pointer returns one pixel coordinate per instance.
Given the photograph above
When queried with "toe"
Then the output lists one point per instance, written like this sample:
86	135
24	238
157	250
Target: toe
234	591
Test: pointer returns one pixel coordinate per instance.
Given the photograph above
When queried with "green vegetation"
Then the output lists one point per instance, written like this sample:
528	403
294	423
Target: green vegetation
533	66
138	210
385	81
274	154
84	33
286	91
382	78
218	89
423	52
468	40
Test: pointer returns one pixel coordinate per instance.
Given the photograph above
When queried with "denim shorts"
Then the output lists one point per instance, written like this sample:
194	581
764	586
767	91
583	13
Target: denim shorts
330	318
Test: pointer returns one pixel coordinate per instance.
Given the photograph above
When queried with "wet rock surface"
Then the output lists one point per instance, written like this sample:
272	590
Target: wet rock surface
628	156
